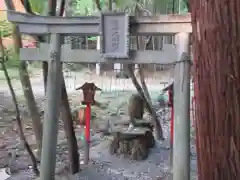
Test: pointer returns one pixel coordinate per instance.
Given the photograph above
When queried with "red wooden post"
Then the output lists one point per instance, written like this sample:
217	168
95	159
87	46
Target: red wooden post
170	95
87	133
171	125
88	119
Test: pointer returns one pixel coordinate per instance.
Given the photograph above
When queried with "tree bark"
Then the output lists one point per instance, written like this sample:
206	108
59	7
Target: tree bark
26	85
216	48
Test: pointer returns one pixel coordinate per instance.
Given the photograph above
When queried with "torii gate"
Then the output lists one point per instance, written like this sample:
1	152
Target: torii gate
114	29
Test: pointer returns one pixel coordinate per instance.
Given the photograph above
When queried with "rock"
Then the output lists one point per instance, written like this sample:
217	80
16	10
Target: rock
133	145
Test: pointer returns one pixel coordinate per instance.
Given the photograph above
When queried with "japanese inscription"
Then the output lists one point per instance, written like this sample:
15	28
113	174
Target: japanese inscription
114	28
115	35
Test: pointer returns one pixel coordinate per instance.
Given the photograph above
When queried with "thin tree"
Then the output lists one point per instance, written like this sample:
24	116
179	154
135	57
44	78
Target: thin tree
216	47
142	89
26	84
3	58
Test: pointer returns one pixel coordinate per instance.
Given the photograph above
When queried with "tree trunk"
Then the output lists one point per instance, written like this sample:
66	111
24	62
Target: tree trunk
216	49
159	132
143	90
69	131
26	85
18	117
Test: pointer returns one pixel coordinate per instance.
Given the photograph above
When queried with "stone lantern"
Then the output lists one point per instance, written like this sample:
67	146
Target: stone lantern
89	90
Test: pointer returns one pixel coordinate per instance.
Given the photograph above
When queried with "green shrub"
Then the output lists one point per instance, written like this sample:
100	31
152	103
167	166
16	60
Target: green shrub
12	61
5	28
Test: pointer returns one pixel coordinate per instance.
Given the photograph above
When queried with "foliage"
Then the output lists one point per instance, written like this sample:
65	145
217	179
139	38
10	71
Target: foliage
12	64
13	74
86	8
12	61
183	7
121	4
38	6
5	28
83	7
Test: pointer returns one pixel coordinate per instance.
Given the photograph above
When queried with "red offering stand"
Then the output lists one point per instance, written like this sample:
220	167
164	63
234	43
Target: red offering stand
89	90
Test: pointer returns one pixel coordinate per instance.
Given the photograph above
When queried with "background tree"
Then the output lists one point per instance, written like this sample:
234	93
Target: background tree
216	47
144	90
3	59
26	84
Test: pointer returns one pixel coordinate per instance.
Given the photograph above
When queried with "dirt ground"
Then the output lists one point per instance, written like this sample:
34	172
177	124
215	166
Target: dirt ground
102	165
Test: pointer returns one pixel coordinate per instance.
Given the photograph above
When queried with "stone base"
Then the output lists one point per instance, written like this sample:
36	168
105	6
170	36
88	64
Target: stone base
134	146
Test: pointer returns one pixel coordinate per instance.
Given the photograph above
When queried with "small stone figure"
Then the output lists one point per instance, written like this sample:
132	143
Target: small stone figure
135	108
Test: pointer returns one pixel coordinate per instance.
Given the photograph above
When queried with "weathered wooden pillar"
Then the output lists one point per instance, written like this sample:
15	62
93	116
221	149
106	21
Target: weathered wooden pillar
52	105
181	139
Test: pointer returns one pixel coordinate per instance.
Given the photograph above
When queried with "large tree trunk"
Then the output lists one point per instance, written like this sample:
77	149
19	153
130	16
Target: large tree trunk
216	50
26	85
